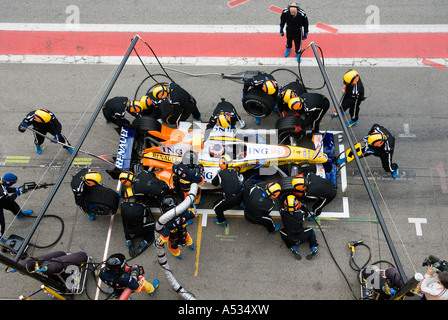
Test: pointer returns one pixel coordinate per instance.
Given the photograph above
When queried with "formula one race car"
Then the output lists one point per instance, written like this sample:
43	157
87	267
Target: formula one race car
150	145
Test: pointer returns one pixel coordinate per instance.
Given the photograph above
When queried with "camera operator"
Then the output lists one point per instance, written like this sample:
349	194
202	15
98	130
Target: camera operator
435	282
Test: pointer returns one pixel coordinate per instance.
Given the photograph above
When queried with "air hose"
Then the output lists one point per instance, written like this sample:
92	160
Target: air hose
163	219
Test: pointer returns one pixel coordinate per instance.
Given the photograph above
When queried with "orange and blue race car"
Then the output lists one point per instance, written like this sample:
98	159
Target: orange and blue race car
150	145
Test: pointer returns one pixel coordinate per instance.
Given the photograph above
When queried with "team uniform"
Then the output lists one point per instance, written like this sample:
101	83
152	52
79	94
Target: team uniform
48	124
114	110
294	25
224	115
257	207
385	152
175	232
294	233
322	190
231	182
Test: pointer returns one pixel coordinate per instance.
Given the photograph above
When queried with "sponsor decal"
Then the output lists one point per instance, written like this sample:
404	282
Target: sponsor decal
124	153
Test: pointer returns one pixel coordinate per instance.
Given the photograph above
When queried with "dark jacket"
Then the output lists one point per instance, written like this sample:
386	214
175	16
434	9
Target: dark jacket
293	223
294	23
230	180
255	204
134	216
53	126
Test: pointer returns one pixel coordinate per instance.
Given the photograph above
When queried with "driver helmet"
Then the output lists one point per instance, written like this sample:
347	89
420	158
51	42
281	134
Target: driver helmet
216	150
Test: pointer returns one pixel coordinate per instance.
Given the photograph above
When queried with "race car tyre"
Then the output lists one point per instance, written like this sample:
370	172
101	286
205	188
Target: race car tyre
290	126
287	188
101	201
258	103
146	124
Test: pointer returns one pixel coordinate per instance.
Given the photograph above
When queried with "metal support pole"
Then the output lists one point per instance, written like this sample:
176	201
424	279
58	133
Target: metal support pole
358	163
76	149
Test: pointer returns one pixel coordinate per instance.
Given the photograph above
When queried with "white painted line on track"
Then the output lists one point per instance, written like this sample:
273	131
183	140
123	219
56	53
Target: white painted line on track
219	61
162	28
106	250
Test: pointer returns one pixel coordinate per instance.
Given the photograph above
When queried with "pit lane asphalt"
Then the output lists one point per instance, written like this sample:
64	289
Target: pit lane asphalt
242	262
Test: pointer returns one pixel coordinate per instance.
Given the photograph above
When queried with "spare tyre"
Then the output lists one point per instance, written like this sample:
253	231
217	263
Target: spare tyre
290	126
258	103
101	201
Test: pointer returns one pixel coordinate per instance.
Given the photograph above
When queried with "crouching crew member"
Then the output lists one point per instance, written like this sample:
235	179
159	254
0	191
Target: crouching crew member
313	187
137	223
182	102
115	109
224	115
258	204
117	274
293	214
380	143
80	184
312	106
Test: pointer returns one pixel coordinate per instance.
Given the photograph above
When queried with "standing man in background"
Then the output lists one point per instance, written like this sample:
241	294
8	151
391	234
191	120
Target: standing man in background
295	19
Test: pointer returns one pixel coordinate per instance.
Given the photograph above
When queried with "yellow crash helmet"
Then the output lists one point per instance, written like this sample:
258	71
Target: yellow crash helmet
296	104
135	107
160	92
145	102
376	139
225	161
91	178
291	203
288	94
224	120
273	189
299	182
42	116
126	178
351	77
128	193
270	87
